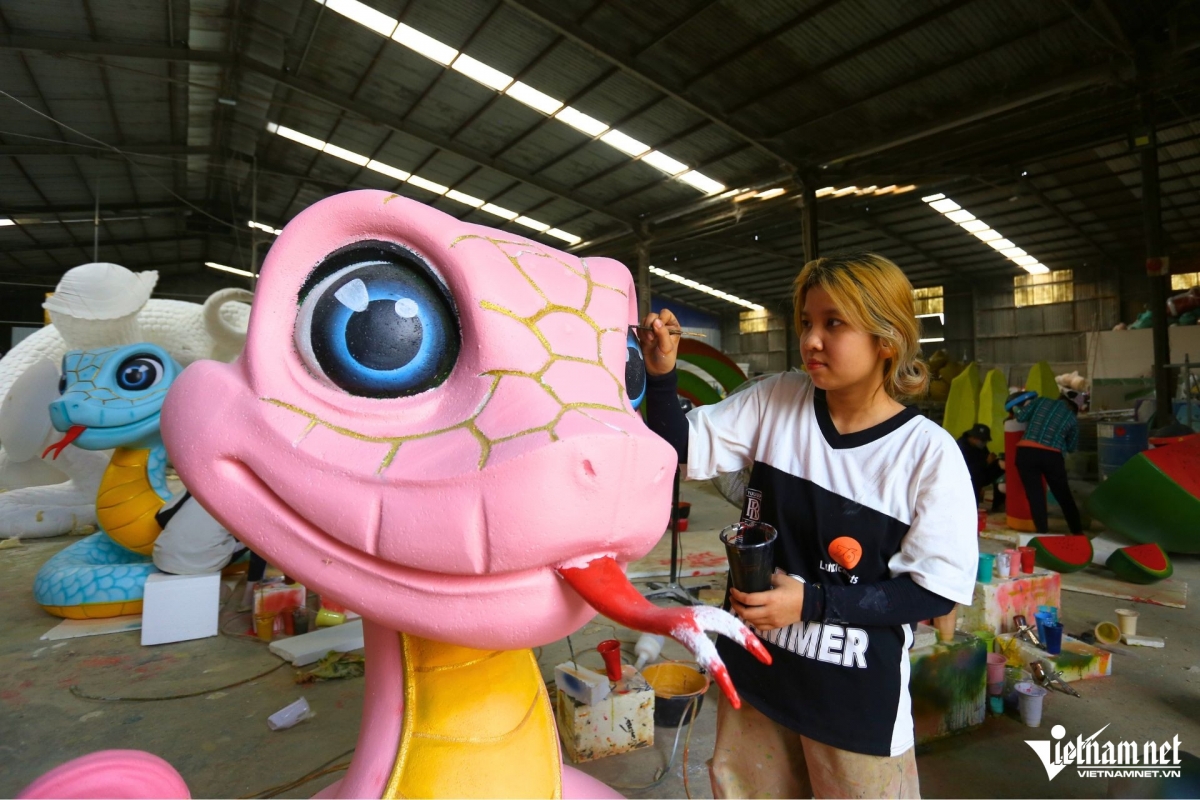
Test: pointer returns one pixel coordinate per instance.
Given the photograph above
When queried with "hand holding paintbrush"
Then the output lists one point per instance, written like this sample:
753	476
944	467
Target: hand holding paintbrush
658	334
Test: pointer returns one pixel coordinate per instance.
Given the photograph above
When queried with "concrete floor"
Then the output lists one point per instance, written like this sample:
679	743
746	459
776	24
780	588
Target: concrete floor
219	739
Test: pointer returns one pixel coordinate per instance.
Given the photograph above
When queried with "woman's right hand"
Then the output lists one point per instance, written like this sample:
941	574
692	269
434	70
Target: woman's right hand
659	345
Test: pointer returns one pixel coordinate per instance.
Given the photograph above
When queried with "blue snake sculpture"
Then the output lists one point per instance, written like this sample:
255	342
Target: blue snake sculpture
111	399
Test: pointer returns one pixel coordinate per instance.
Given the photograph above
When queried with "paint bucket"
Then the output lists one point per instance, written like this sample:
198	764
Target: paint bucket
264	626
1107	633
750	548
675	685
1117	442
610	650
1127	620
1053	640
996	704
1028	556
995	668
1014	563
987	563
1029	701
987	637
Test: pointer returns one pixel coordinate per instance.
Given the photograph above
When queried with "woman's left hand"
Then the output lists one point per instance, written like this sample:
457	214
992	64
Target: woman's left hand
777	608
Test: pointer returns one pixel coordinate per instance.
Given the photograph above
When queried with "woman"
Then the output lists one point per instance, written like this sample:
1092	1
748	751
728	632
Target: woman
876	520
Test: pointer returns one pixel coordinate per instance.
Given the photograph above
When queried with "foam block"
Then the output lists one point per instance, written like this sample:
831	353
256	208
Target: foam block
948	683
1077	661
176	608
310	647
994	604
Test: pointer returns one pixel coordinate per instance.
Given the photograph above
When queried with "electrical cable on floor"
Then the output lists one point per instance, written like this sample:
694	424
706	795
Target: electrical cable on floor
75	690
323	769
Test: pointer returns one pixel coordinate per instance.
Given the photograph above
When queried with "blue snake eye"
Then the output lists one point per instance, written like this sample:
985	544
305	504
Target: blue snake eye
635	370
138	373
377	323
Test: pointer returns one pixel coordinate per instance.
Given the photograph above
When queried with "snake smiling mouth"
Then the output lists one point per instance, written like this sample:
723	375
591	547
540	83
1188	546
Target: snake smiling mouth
73	433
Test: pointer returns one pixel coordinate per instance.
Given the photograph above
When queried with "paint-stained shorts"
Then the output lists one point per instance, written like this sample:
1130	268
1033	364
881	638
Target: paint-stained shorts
757	757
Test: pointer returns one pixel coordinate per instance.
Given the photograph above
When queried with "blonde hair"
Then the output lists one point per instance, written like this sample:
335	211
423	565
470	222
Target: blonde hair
874	296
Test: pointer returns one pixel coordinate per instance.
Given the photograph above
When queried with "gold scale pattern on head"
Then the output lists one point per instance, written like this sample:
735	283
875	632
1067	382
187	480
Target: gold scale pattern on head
81	371
525	249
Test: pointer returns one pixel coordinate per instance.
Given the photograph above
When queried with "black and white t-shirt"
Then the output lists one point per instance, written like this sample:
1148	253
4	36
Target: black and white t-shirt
895	499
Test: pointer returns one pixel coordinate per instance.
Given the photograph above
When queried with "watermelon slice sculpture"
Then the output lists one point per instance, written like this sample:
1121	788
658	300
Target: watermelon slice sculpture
1140	563
1154	498
1062	553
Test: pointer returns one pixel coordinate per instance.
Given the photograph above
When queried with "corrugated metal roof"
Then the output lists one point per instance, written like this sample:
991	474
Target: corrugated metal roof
730	88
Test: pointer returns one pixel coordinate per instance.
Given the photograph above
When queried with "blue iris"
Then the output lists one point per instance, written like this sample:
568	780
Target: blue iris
138	373
635	370
380	326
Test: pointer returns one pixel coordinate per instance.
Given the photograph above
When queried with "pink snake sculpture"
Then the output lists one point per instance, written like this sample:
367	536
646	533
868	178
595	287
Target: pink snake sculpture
430	424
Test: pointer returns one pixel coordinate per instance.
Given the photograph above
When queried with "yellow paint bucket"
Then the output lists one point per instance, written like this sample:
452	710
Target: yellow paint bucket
674	686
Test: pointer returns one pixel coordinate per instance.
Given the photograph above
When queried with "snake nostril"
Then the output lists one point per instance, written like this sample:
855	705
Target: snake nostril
588	469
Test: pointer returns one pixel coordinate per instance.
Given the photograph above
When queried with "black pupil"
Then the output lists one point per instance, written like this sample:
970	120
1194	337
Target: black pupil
635	371
137	375
62	384
381	339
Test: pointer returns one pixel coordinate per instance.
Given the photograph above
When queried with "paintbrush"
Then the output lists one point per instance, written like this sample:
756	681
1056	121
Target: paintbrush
672	331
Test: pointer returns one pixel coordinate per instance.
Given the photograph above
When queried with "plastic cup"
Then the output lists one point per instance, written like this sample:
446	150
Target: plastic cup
750	548
996	704
1053	640
1013	676
1002	562
987	562
987	637
300	621
1042	618
1127	620
1028	556
995	689
264	626
1107	633
1029	701
1014	563
982	520
610	649
1051	612
995	668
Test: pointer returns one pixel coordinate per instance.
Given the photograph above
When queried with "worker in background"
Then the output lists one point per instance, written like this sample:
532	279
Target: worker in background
1050	430
984	465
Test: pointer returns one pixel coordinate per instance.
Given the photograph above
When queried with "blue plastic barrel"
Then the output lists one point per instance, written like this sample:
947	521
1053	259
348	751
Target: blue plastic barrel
1119	441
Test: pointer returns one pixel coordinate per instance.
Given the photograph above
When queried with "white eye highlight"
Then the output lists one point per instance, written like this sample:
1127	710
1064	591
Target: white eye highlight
354	295
406	308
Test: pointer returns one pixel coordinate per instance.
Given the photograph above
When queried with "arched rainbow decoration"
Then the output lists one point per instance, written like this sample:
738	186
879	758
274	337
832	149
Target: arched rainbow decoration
705	361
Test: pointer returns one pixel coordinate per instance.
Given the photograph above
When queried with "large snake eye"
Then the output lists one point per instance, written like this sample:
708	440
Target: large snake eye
635	370
375	322
138	373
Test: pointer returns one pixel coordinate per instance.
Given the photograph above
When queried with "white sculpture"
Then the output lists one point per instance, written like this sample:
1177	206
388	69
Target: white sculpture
94	305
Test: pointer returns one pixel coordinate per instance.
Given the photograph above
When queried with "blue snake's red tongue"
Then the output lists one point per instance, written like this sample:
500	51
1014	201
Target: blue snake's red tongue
602	583
72	434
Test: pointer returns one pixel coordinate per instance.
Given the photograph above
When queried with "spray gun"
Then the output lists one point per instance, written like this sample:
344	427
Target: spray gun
1026	631
1045	675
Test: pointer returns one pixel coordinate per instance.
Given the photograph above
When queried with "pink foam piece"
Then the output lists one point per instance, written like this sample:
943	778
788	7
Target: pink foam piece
580	784
110	773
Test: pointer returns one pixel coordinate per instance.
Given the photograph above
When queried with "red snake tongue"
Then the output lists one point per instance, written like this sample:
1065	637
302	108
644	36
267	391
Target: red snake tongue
72	434
604	586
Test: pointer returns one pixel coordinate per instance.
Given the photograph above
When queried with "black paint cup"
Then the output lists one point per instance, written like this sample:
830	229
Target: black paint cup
750	548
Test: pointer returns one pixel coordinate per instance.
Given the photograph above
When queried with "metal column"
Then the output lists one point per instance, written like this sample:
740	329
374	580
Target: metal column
643	279
1156	259
809	211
